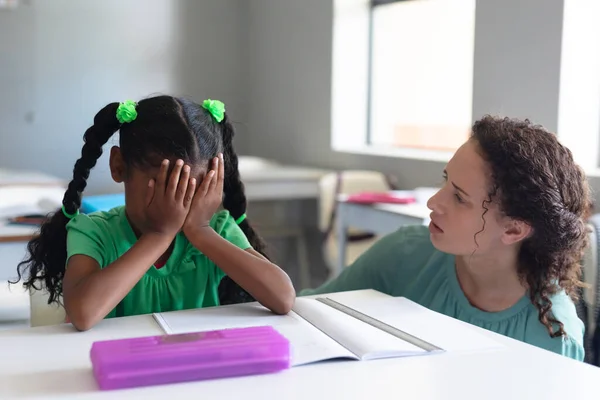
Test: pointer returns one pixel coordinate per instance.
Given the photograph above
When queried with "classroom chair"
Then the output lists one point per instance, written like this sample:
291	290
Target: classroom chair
588	306
42	313
346	182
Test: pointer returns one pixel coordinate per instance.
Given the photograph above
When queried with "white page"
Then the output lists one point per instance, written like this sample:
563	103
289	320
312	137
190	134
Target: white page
440	330
308	343
364	340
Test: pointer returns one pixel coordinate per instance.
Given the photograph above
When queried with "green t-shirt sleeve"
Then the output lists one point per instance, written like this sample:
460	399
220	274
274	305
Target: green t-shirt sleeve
85	237
224	224
389	266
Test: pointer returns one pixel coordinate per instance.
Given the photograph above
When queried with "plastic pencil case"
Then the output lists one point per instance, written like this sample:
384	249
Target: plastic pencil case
165	359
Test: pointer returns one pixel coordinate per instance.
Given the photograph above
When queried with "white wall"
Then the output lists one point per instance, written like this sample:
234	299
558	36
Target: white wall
62	60
517	59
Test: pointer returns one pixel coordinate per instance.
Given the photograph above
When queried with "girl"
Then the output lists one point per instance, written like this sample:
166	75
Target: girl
505	241
168	248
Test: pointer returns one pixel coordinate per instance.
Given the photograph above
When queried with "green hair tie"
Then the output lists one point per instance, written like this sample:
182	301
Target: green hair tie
240	219
216	108
126	111
69	216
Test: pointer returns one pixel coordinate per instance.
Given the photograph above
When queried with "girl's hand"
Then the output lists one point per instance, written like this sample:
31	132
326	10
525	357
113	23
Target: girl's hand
169	198
207	199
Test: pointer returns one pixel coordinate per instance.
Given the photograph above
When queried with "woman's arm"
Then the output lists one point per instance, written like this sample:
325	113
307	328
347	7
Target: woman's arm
377	268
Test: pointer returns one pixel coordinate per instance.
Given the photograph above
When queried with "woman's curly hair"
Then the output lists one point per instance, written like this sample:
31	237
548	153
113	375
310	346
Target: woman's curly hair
535	180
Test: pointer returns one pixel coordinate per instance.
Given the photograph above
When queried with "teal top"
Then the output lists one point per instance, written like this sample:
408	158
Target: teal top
189	279
405	263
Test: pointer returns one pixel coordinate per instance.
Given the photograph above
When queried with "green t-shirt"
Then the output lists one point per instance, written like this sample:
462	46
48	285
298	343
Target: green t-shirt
405	263
189	279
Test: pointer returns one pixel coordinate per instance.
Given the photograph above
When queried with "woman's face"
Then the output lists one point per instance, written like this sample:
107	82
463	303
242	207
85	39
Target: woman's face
463	220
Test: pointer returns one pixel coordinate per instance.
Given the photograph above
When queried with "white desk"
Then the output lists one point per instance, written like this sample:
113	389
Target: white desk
281	182
381	219
58	367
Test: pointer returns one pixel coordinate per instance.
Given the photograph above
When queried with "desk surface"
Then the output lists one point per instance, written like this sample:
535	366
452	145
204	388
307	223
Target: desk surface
414	210
58	367
417	210
282	173
281	182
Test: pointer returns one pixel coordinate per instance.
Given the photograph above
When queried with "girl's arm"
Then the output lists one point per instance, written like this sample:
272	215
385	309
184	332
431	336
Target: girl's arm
265	281
90	293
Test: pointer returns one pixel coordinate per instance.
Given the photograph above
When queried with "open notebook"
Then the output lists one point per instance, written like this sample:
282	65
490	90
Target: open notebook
372	325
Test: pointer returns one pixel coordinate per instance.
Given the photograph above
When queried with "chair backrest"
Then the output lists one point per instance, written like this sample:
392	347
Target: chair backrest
42	313
346	182
590	277
590	301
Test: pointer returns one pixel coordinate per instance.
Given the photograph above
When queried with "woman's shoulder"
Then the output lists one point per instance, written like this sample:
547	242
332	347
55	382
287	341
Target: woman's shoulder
409	243
409	246
405	258
408	239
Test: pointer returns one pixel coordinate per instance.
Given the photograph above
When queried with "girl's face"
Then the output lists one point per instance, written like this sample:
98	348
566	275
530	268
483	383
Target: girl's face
463	219
136	181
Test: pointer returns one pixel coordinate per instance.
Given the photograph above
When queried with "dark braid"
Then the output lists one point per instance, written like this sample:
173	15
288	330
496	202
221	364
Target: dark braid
234	200
48	250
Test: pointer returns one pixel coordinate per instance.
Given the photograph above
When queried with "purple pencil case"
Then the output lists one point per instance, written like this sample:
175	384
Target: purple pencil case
157	360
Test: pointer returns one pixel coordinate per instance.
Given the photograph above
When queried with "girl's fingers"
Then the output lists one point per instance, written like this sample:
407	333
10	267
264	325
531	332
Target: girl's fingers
183	183
161	179
221	176
189	195
215	171
150	192
174	179
206	183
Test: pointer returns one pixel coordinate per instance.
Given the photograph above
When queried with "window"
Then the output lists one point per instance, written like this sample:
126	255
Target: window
402	76
422	73
579	92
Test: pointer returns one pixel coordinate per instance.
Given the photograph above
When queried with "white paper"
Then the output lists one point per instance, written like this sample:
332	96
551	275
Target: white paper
440	330
362	339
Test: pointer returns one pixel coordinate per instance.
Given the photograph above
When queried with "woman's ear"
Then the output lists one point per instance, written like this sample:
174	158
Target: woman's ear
516	231
117	165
